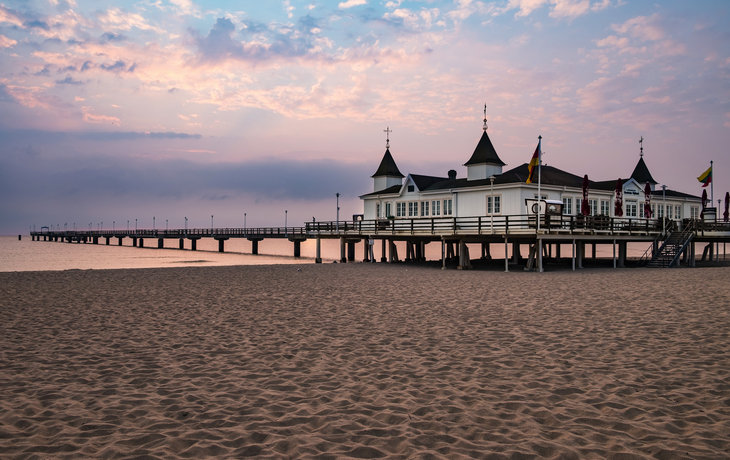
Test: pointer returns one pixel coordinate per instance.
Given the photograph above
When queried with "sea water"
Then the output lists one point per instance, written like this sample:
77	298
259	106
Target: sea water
27	255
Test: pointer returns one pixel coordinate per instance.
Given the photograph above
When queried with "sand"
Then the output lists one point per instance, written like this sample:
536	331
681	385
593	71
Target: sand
365	361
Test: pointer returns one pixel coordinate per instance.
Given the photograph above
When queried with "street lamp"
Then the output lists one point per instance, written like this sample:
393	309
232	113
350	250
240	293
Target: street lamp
211	223
337	222
135	226
664	208
114	226
491	192
244	223
165	225
285	222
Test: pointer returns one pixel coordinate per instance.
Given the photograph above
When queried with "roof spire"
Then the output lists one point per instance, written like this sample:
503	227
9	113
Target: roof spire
387	132
641	144
485	118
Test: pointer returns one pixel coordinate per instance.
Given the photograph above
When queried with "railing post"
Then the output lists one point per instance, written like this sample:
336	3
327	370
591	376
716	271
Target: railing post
454	230
479	227
411	226
506	226
432	225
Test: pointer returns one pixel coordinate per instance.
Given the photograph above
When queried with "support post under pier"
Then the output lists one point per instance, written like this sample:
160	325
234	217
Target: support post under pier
220	243
160	243
318	257
181	244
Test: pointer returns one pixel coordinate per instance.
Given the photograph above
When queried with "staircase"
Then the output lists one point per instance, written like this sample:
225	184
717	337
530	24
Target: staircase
672	248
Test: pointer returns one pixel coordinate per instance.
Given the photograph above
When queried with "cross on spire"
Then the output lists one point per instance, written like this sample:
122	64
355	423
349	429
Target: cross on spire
641	145
485	118
387	132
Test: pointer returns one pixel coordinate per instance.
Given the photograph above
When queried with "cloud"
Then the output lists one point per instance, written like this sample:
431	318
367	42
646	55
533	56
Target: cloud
6	42
112	37
91	117
351	3
69	81
117	19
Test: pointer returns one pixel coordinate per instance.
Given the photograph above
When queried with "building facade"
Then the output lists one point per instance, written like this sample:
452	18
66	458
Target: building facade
489	191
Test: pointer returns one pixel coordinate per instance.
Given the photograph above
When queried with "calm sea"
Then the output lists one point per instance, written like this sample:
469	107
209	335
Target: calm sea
27	255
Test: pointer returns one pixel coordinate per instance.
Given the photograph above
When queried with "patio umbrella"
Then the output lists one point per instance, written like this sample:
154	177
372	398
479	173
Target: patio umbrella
725	215
619	210
704	203
647	201
584	208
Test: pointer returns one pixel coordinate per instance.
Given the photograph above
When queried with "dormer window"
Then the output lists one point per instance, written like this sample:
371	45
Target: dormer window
411	188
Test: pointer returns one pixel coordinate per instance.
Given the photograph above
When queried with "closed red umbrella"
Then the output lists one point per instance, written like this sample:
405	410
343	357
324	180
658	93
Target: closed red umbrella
619	209
584	208
647	201
725	216
704	203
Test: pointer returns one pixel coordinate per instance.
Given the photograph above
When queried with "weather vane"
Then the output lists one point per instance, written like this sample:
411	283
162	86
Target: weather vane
387	132
485	118
641	145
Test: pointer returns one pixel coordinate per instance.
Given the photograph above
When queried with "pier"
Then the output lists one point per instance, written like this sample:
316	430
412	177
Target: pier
669	243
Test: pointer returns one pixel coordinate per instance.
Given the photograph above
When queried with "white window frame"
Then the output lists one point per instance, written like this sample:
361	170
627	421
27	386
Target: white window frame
388	209
377	210
678	211
605	207
448	206
400	209
632	208
425	209
435	208
694	212
411	211
669	211
496	201
567	206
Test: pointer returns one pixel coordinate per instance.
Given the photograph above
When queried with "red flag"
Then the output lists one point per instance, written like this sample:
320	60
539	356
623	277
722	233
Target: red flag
619	209
584	208
532	166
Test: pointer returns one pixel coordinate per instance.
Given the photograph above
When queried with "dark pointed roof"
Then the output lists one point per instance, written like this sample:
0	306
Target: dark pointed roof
484	153
641	173
387	167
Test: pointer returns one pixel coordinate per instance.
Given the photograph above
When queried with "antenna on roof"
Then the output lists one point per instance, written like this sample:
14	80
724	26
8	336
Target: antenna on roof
485	118
641	144
387	132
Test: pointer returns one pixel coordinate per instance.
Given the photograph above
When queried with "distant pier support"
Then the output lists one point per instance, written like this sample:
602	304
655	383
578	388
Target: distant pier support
318	257
107	238
141	242
383	257
20	237
134	241
365	250
193	244
254	244
297	240
343	258
182	243
220	243
95	240
160	243
351	249
119	240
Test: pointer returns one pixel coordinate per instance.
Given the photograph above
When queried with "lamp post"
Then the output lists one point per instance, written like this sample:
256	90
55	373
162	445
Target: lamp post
664	208
491	192
186	226
211	224
153	223
337	222
286	232
244	224
166	226
114	226
135	226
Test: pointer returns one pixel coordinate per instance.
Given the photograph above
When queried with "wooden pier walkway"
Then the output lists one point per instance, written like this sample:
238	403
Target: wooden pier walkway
453	232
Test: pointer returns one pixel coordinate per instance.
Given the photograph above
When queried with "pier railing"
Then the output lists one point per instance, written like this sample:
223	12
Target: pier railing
486	225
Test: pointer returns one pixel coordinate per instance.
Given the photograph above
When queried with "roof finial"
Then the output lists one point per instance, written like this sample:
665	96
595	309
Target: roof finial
387	132
641	144
485	118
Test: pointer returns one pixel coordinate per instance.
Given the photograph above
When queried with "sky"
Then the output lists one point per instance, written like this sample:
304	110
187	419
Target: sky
263	111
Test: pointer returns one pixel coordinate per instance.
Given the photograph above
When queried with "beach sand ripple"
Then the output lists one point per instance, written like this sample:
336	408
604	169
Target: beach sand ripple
365	361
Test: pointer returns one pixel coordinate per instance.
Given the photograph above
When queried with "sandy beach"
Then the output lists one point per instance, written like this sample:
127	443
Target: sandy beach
365	361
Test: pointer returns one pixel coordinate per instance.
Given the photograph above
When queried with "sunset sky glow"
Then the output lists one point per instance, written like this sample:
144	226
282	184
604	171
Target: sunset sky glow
111	111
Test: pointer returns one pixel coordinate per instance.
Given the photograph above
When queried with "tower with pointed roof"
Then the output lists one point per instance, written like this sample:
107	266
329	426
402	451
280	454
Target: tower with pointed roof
484	162
388	173
641	172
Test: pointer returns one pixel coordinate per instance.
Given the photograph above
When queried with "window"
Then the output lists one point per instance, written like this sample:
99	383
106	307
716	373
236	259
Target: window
436	208
567	206
413	209
631	208
388	211
669	211
400	209
593	205
424	208
377	209
661	211
604	208
678	212
411	188
494	205
447	207
694	212
653	210
578	202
